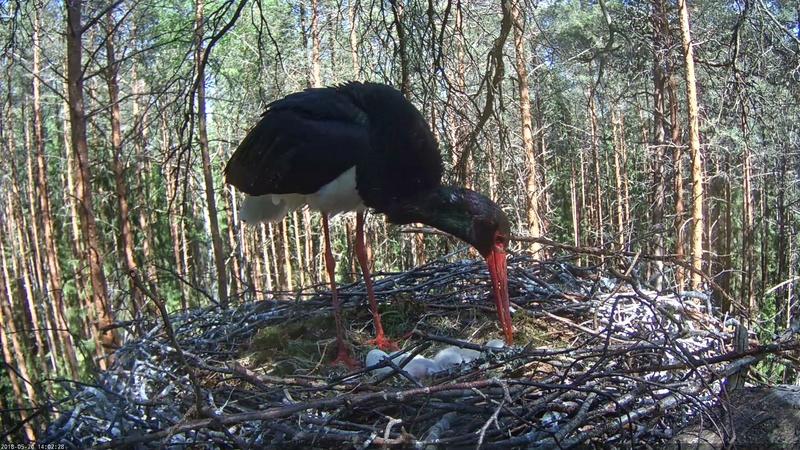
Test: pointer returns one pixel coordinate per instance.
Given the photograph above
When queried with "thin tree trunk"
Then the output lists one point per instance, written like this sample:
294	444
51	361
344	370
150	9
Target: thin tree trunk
316	62
528	148
27	305
120	185
574	203
677	171
695	151
273	253
620	175
659	187
717	234
298	249
353	19
208	178
308	247
93	256
76	243
55	289
747	293
727	245
143	182
597	215
401	50
265	245
15	360
287	256
782	321
30	219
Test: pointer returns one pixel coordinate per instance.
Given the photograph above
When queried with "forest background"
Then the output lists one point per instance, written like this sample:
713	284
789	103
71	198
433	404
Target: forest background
668	128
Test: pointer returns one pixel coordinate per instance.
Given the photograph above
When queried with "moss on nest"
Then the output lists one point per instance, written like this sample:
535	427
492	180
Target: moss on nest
306	344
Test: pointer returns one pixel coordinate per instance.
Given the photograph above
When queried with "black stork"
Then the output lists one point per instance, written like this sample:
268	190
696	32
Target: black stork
357	146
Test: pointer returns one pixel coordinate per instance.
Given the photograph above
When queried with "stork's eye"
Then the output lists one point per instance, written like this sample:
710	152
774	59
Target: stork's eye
500	240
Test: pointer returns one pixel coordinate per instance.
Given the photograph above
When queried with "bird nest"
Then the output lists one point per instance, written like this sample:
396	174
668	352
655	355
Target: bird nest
598	359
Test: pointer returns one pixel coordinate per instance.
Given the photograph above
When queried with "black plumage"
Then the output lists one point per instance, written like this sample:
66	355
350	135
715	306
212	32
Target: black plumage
307	144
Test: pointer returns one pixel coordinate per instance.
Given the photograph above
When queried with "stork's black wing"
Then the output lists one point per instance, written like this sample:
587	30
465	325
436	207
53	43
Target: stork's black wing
302	142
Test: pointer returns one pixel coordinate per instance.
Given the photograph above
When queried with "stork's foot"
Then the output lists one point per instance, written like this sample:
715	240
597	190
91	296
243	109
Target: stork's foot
344	357
384	343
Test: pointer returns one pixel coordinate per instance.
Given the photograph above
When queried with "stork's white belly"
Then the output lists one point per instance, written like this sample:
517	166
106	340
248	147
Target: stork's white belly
340	195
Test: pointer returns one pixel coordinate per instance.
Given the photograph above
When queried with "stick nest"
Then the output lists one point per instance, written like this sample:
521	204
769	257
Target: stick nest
599	360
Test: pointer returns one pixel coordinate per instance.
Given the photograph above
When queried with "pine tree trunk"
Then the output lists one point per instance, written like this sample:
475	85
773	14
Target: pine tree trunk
208	178
288	275
597	211
782	320
353	20
659	143
76	243
273	254
620	175
298	249
528	147
120	185
92	256
15	359
698	178
143	181
677	171
316	62
53	278
574	203
265	246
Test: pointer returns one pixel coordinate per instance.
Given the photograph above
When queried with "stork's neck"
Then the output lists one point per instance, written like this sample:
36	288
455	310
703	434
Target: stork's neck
450	209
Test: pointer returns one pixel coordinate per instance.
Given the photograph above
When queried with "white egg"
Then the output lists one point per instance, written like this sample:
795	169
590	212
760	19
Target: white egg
496	343
374	357
398	359
448	357
421	367
468	355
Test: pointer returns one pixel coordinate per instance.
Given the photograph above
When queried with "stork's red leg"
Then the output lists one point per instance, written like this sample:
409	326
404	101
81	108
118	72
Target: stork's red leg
361	254
343	354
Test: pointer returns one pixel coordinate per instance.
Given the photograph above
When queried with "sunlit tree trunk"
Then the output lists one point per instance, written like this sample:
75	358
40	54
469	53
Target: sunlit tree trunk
237	274
747	293
208	177
575	205
316	62
62	348
717	230
120	184
265	245
677	171
288	275
698	196
76	241
273	254
143	181
596	226
30	218
528	147
782	300
620	176
659	143
353	20
401	48
298	249
16	358
93	256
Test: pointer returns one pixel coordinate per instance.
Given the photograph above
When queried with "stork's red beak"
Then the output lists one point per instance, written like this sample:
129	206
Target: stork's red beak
497	272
